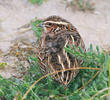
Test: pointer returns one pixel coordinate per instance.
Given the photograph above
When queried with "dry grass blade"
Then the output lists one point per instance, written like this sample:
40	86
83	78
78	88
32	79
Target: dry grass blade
108	94
61	71
105	89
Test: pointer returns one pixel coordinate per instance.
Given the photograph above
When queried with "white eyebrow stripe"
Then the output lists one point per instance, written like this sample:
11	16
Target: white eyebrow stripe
59	58
63	23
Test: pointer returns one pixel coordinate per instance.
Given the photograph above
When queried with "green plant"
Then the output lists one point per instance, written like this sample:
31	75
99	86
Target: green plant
83	5
39	2
37	30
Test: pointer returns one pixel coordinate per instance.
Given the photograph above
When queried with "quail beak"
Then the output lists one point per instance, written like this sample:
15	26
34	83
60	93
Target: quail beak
41	25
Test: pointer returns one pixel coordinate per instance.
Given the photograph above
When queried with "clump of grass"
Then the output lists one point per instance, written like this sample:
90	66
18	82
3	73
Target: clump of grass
82	5
39	2
48	89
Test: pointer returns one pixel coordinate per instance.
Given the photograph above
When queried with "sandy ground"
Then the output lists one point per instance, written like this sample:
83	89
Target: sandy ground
94	27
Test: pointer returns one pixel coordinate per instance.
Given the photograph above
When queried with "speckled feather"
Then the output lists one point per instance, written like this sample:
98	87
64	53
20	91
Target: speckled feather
52	56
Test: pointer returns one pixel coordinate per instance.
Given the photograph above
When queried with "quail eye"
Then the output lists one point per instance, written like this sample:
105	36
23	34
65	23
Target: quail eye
66	27
49	24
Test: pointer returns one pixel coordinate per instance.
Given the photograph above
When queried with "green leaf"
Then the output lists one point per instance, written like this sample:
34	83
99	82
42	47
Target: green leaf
68	50
91	48
74	47
37	30
81	50
109	71
98	51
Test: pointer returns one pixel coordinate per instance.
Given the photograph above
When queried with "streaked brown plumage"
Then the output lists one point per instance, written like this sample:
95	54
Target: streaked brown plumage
58	32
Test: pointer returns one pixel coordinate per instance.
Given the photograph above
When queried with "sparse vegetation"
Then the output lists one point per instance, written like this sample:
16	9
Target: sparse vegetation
82	5
39	2
48	89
